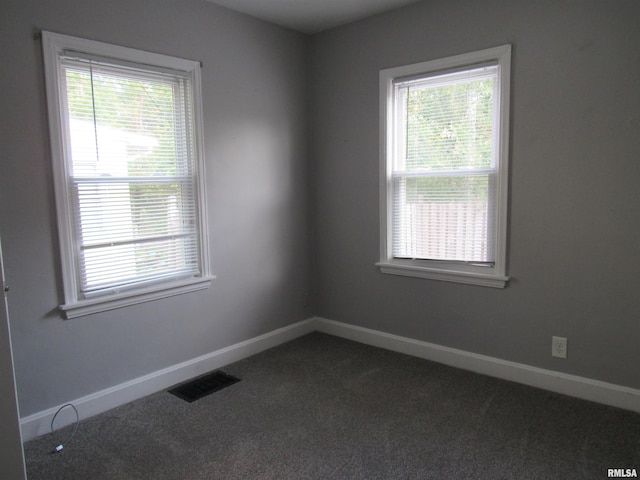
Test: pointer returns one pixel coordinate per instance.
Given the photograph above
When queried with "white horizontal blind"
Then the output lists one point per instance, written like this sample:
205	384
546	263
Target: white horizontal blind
132	174
445	166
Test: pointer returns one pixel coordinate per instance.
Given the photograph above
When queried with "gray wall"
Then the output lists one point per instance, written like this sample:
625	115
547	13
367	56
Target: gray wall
255	115
574	253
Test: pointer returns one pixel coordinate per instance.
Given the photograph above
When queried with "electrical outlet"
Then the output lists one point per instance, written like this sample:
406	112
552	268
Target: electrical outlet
559	347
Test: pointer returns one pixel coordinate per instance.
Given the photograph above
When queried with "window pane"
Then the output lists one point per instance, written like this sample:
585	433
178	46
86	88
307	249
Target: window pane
126	227
442	218
133	170
122	126
450	126
444	166
114	265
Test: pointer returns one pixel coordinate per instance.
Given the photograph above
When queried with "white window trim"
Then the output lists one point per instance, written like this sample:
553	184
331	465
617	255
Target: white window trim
489	276
53	46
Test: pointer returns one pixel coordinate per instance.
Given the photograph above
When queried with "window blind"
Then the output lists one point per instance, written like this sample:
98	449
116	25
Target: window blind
132	174
444	169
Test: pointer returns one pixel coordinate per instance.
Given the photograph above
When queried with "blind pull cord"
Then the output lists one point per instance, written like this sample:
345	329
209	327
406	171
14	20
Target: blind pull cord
93	104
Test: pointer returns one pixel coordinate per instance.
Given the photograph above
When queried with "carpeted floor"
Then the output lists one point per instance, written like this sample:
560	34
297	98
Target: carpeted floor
321	407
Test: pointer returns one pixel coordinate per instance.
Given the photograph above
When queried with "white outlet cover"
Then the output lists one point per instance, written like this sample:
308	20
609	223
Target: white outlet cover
559	347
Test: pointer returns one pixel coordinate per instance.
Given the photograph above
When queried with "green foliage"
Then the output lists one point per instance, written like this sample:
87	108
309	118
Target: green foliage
450	126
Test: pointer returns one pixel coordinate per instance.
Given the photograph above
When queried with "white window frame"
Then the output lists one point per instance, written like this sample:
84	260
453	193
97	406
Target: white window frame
489	275
75	303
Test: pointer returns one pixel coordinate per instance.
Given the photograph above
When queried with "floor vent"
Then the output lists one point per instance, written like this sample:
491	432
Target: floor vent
202	386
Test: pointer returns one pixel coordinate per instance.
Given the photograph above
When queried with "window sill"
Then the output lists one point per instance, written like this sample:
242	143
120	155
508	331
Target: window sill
470	278
111	302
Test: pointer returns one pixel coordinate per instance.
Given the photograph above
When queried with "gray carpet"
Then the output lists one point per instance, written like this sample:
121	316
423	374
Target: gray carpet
321	407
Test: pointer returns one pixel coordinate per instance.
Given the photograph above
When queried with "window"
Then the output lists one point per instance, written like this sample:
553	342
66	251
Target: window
444	159
126	134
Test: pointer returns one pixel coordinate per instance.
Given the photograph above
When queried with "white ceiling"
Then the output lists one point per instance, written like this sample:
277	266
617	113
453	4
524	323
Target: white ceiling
311	16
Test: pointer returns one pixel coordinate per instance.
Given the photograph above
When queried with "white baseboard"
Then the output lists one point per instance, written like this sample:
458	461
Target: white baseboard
90	405
573	385
40	423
